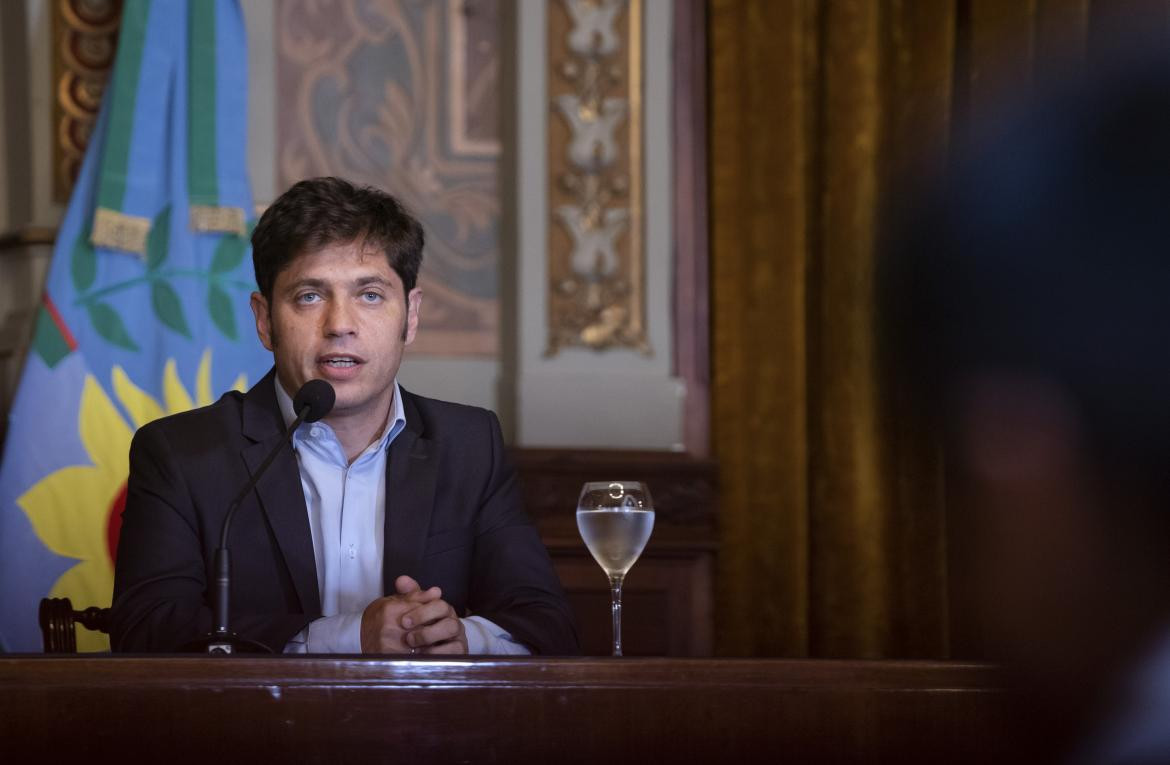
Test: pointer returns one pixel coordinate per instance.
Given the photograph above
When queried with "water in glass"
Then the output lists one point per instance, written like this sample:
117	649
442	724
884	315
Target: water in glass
615	519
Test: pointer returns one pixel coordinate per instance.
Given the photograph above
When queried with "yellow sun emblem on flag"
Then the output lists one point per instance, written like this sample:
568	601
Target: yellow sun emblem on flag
77	511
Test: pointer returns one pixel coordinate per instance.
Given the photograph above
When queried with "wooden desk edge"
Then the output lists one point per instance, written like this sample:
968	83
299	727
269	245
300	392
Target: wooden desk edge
589	672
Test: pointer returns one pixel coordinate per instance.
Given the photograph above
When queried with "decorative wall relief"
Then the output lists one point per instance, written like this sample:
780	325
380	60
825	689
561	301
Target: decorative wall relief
404	95
85	38
596	259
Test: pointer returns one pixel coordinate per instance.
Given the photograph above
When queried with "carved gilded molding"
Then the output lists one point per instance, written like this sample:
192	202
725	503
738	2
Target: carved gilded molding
85	38
596	234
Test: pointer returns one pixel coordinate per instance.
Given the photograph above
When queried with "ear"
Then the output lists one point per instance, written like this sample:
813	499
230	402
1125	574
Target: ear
413	303
263	319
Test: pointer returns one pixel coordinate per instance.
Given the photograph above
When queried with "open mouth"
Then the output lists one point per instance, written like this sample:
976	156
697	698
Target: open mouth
339	361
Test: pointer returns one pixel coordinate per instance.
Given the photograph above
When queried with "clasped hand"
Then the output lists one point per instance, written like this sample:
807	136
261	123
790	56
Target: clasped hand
412	620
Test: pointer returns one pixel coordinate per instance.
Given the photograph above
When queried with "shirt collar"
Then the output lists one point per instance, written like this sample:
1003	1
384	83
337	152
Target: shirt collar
394	424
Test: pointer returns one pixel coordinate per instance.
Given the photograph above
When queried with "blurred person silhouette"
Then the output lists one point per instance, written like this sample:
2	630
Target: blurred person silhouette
1027	304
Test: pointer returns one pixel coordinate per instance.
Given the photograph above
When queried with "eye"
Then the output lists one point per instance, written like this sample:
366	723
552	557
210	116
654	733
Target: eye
371	297
308	297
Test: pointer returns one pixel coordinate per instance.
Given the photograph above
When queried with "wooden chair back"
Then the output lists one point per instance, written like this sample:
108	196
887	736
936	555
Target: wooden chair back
58	623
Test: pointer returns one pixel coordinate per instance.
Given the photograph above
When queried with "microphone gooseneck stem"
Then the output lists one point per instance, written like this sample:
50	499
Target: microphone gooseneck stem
223	561
223	587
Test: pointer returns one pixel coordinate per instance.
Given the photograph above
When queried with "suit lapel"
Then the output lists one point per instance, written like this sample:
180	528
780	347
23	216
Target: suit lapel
411	473
280	490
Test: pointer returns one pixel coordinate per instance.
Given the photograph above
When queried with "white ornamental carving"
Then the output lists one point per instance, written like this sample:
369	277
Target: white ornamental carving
594	246
593	145
593	33
596	290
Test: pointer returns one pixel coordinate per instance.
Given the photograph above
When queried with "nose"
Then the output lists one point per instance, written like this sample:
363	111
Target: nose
339	319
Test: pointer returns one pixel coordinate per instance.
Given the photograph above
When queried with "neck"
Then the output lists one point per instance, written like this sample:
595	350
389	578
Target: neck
357	431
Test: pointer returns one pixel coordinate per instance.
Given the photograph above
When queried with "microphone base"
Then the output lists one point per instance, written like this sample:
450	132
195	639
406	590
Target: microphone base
224	644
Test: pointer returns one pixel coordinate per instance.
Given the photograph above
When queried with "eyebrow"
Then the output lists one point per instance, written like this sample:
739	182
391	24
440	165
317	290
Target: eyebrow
368	280
315	283
319	284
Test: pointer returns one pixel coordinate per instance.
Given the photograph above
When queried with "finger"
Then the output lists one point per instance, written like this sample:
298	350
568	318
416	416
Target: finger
391	640
448	647
408	588
425	613
404	585
418	597
431	634
427	595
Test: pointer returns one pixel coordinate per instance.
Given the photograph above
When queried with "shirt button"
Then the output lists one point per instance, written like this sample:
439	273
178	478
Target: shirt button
315	432
352	552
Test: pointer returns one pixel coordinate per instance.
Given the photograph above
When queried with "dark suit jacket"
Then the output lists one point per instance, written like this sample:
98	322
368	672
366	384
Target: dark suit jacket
453	519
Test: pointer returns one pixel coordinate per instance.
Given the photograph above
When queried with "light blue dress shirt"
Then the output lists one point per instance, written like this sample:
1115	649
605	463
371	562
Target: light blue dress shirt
347	509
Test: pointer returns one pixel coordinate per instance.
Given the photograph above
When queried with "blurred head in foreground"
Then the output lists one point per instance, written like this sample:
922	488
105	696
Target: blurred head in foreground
1028	305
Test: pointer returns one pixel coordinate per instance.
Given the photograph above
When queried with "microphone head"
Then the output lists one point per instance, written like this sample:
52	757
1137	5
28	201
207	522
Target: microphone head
318	396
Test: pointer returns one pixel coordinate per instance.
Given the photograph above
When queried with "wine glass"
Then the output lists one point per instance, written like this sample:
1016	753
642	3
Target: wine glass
615	519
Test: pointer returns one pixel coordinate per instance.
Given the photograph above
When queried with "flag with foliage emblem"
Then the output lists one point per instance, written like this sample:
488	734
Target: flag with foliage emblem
144	311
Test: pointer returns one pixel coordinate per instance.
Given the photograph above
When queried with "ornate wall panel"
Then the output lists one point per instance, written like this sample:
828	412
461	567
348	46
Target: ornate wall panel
403	95
85	34
596	260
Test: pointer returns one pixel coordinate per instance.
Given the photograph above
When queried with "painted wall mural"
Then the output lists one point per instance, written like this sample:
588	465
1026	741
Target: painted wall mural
404	95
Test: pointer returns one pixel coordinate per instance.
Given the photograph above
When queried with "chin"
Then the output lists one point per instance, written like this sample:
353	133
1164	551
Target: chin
342	404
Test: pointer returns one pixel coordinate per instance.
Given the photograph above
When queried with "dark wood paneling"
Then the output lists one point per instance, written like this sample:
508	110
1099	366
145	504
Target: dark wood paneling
683	487
181	709
666	602
667	595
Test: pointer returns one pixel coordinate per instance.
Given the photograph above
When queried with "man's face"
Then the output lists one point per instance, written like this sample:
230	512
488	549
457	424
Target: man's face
340	315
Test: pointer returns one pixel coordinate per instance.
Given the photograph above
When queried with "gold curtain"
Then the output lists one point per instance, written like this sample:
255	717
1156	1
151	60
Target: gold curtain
834	536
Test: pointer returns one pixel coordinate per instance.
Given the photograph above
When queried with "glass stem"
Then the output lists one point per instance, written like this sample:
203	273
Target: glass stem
615	593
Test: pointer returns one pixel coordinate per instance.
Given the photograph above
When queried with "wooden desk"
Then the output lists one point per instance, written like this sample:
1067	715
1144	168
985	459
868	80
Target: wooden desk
348	709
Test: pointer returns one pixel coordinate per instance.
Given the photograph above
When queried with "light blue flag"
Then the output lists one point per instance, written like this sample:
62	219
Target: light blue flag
145	311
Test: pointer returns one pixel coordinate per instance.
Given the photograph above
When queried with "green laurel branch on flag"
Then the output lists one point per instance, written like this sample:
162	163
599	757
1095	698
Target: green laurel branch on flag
229	254
168	308
219	305
83	263
164	298
158	239
109	325
166	303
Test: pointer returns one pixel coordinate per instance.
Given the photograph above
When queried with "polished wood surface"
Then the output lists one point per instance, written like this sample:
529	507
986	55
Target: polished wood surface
340	709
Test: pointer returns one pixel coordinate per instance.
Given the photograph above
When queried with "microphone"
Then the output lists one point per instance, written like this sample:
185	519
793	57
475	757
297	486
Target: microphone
313	401
318	395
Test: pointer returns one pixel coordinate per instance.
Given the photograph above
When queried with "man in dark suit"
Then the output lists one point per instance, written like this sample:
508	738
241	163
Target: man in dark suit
394	525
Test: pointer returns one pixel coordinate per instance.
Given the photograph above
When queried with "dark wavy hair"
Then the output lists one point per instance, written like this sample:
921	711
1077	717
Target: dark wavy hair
319	212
